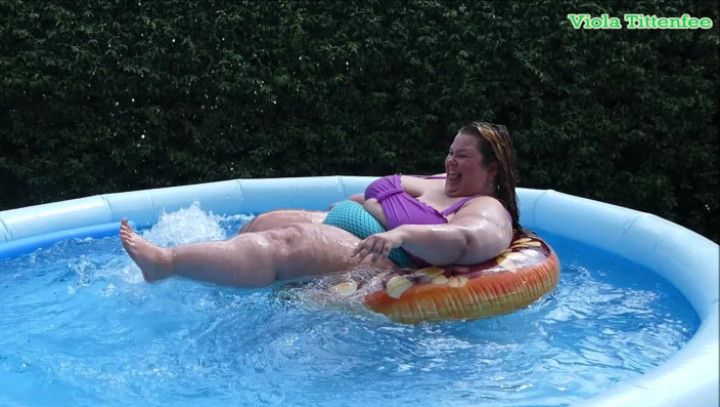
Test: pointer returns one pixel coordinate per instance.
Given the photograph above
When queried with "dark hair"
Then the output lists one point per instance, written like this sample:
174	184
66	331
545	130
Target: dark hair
495	145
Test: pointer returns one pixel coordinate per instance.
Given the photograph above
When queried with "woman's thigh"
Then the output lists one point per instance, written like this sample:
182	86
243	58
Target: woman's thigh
306	249
281	218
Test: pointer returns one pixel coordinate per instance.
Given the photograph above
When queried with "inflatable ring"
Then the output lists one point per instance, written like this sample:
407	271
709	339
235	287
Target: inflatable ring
516	278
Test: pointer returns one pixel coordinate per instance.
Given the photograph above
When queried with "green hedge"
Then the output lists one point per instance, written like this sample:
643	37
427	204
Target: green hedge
109	95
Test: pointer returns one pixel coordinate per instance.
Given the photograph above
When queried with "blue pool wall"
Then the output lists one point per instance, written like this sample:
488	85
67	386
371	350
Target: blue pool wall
684	258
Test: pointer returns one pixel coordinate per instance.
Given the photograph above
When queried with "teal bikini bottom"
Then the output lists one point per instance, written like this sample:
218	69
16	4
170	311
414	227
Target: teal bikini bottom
352	217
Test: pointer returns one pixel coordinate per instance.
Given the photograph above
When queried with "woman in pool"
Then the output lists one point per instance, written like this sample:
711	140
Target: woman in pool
463	217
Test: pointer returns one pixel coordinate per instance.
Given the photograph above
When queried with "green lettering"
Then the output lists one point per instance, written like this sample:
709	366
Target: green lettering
632	20
614	23
706	23
649	21
684	22
577	20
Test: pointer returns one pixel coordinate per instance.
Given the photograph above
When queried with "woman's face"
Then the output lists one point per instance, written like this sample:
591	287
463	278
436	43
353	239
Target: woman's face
466	171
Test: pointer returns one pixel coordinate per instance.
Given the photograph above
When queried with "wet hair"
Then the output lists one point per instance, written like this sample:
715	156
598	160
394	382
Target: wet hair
495	146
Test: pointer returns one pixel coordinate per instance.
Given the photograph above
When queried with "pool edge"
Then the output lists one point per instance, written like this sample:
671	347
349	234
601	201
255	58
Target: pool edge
651	241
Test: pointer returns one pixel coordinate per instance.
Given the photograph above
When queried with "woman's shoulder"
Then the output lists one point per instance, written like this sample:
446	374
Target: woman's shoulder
483	206
418	184
484	201
421	179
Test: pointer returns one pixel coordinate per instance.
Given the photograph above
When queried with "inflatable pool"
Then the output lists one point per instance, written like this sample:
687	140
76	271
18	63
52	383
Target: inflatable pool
688	261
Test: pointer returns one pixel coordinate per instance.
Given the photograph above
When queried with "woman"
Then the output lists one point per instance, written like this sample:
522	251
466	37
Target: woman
465	216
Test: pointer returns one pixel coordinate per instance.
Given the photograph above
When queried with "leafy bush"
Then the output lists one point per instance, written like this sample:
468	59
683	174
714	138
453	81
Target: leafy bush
112	95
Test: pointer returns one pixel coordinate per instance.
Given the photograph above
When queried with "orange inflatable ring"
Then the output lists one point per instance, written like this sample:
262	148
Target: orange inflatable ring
516	278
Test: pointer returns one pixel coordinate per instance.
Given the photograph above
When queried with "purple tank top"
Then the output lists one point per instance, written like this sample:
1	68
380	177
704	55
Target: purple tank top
400	208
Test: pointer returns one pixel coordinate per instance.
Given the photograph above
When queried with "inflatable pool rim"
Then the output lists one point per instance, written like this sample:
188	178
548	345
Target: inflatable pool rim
684	258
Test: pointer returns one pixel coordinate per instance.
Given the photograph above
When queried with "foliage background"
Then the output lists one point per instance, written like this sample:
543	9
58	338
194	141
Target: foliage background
105	95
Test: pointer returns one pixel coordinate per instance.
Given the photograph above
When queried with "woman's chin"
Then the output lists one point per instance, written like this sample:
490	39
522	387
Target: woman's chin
452	190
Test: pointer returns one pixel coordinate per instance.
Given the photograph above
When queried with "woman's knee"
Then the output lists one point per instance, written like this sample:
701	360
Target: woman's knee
282	218
260	222
293	246
272	251
284	238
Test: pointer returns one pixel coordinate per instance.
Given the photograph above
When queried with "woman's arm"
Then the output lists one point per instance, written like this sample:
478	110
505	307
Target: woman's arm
478	232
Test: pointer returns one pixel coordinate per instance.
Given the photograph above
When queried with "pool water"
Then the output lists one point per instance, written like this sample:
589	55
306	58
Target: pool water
80	327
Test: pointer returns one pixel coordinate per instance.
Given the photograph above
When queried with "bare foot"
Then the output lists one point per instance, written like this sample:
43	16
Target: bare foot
154	262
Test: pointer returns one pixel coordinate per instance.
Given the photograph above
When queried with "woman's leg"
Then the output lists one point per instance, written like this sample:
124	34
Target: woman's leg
280	218
251	259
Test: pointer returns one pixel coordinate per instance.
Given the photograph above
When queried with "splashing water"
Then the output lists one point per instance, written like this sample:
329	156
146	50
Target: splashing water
81	327
192	225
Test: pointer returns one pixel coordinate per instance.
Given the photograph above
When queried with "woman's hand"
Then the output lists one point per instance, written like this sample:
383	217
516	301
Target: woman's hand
379	245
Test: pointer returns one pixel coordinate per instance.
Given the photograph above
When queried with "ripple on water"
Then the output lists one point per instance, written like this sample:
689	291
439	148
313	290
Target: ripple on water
81	327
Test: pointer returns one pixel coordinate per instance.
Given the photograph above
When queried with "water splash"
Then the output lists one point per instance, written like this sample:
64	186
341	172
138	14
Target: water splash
192	225
112	341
